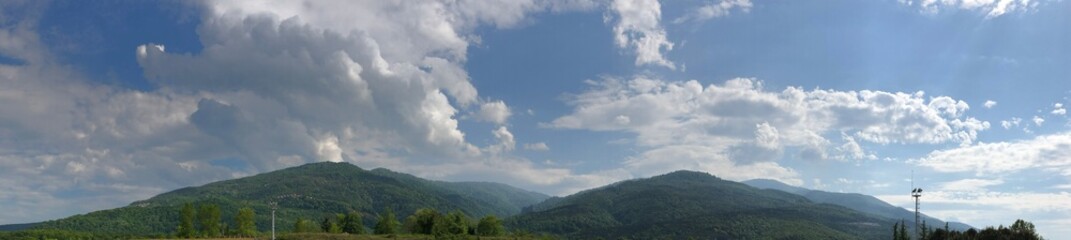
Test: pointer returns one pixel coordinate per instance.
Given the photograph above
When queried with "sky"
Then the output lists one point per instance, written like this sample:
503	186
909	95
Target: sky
106	103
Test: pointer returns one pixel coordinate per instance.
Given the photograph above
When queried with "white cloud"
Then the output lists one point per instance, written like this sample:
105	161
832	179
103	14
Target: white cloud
739	130
714	10
851	150
668	113
496	112
1038	121
989	104
708	159
520	173
766	136
1014	122
327	149
539	146
637	27
1058	109
505	143
969	185
991	8
1047	152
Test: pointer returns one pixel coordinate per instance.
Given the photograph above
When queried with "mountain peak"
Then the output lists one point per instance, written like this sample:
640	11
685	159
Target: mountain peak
687	174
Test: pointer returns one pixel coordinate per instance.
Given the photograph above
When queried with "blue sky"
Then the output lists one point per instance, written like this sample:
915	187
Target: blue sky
108	103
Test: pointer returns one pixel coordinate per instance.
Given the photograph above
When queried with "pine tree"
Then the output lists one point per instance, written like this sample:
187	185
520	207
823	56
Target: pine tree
903	231
896	231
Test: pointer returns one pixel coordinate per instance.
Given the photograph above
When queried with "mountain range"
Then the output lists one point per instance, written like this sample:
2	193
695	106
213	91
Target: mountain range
686	204
311	191
680	204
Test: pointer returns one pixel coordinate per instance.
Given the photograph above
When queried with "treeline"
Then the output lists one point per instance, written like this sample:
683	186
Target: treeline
424	221
205	222
1020	230
209	223
36	234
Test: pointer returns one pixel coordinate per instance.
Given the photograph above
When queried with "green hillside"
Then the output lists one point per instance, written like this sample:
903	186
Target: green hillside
312	191
688	204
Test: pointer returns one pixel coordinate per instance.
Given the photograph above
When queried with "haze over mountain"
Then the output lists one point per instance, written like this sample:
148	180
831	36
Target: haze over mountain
855	201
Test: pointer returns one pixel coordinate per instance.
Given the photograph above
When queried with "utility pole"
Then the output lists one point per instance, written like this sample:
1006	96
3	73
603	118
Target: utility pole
275	205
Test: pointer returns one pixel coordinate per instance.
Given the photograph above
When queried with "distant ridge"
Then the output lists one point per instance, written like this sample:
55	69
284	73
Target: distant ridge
859	202
688	204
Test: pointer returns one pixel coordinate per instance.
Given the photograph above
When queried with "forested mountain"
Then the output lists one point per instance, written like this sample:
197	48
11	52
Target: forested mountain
859	202
311	191
687	204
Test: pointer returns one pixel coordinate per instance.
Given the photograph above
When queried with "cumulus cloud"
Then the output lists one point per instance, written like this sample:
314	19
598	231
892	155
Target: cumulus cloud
63	133
666	112
1047	152
1013	122
505	141
1038	121
495	112
991	8
714	10
1058	109
739	127
637	27
276	84
989	104
708	159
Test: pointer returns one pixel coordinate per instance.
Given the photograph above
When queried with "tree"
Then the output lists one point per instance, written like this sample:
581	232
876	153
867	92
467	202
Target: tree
422	221
185	228
923	230
246	225
1023	230
387	224
209	218
439	227
352	223
895	231
330	226
457	223
903	231
492	226
301	225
